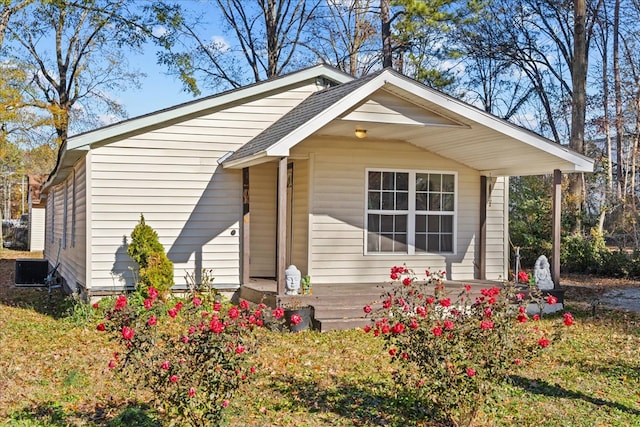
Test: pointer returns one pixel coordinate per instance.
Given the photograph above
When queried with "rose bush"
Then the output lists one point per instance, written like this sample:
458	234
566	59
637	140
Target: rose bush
451	353
192	355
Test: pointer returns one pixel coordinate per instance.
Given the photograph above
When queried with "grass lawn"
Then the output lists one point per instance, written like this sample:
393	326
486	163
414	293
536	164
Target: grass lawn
53	372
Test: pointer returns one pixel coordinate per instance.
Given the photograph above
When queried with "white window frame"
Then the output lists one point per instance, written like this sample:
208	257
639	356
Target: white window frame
411	212
65	211
73	210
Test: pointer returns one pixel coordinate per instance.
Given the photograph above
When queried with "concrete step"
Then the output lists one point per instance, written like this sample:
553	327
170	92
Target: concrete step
338	312
324	325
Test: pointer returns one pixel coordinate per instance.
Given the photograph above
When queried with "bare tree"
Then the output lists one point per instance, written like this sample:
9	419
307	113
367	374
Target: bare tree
7	10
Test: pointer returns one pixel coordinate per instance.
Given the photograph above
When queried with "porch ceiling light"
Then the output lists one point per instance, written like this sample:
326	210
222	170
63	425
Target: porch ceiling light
361	133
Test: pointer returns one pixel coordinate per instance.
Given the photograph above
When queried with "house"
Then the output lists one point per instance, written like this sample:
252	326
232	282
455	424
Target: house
37	209
342	177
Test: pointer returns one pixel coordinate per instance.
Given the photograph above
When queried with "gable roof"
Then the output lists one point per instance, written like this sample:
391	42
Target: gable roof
78	145
464	133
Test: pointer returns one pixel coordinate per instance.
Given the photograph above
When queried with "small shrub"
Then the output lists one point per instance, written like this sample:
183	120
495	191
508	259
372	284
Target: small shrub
451	354
156	270
192	355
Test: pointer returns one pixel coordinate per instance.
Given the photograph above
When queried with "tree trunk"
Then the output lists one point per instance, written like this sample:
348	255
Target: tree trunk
620	189
387	60
579	78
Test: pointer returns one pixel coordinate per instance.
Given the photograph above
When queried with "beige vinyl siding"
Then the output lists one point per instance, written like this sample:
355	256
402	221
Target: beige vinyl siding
497	230
338	208
171	175
37	219
300	209
262	202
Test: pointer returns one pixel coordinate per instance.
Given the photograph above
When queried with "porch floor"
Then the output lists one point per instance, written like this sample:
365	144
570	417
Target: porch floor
339	306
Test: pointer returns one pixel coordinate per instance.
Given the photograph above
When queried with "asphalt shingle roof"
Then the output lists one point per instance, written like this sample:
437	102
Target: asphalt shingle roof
299	115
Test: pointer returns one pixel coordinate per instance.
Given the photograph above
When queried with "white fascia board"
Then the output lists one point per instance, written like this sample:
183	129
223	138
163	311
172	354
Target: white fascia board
245	162
113	132
582	163
282	147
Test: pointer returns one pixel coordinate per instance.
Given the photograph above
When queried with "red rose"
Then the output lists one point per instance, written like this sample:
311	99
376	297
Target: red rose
385	329
467	288
278	313
100	327
551	299
95	305
240	349
392	351
152	320
244	304
148	304
196	301
172	313
520	296
185	339
523	277
165	365
127	333
217	306
446	302
522	317
448	325
153	293
486	324
414	324
543	342
471	372
367	329
398	328
121	302
437	331
112	364
191	392
406	281
367	309
568	319
216	326
536	317
225	403
295	319
234	312
179	305
173	378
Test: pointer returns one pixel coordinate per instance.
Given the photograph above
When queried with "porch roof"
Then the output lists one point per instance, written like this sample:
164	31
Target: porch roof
394	108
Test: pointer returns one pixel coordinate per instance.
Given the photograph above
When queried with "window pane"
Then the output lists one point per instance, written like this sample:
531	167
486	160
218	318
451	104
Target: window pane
446	224
373	223
433	224
388	179
446	243
402	181
386	243
386	223
374	200
401	224
421	201
434	182
402	201
373	245
434	202
387	201
400	243
421	243
374	180
421	181
421	223
433	242
447	202
448	183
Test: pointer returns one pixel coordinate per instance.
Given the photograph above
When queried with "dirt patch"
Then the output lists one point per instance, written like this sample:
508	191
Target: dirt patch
615	293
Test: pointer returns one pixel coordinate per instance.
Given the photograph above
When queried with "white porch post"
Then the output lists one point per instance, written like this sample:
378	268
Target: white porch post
281	230
557	213
246	227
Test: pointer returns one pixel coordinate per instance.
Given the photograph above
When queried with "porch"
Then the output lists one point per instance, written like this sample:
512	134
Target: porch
340	306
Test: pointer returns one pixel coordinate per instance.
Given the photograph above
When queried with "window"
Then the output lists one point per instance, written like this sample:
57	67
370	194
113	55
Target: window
410	212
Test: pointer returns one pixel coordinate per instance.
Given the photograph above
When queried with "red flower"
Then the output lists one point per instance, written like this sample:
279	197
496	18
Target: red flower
467	288
522	317
367	329
427	273
392	351
488	312
448	325
543	342
437	331
517	361
398	328
523	277
385	329
430	300
486	324
536	317
471	372
520	296
127	333
173	378
121	302
414	324
422	312
96	305
406	281
240	349
196	302
152	320
387	303
100	327
112	364
185	339
165	365
192	329
295	319
244	304
551	299
179	305
191	392
148	304
367	309
234	312
172	313
225	403
153	293
216	326
446	302
278	313
568	319
217	306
